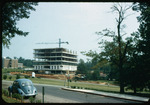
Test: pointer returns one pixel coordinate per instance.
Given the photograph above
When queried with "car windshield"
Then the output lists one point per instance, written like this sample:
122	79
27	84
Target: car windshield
27	83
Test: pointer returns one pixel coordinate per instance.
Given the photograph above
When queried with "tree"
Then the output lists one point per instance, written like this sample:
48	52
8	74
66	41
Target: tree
141	57
95	75
26	62
114	53
11	13
81	68
137	65
121	11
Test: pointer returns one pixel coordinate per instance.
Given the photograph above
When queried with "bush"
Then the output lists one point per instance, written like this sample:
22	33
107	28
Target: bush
31	99
5	92
10	77
39	77
4	77
17	76
73	87
26	76
38	101
17	96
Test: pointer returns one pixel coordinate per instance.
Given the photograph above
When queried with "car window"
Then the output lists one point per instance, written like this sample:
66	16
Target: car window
26	83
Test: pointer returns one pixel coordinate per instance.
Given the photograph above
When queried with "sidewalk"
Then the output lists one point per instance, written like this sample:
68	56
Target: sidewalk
114	95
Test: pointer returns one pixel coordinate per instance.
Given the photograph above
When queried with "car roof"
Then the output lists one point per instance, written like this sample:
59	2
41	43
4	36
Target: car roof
23	80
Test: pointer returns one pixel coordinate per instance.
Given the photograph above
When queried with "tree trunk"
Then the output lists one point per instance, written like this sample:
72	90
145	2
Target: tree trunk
120	61
121	78
134	90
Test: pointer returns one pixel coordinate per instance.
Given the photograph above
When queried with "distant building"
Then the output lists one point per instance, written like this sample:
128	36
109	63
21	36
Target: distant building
55	60
10	63
20	65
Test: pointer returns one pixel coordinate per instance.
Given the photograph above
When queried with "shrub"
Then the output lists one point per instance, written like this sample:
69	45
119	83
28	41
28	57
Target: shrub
17	76
85	88
73	87
17	96
26	76
31	99
38	101
4	77
10	77
39	77
5	92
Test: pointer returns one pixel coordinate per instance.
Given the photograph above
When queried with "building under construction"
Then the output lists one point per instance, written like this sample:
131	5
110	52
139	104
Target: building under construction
55	60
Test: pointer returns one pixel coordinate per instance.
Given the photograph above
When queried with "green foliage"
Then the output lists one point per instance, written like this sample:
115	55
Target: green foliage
26	62
11	13
17	96
10	77
10	100
96	75
4	77
78	87
39	77
138	65
26	76
81	68
38	101
18	76
5	92
32	100
11	70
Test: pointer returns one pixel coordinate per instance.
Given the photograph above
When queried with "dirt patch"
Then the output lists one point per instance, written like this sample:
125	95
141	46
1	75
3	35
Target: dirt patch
57	76
52	76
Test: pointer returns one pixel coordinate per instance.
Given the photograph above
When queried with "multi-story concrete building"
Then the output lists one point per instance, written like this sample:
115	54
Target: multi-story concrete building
10	63
55	60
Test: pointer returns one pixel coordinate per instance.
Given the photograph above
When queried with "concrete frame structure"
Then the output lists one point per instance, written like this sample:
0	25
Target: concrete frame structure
55	60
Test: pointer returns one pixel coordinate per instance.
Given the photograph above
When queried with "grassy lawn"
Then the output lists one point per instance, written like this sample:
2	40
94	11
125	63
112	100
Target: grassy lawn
80	84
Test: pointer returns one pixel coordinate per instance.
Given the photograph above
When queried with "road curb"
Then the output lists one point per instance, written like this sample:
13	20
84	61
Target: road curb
86	91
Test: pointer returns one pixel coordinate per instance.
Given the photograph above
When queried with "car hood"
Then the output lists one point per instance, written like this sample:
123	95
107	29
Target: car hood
28	89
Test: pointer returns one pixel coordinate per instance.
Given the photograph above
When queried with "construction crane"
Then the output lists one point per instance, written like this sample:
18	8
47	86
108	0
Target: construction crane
55	43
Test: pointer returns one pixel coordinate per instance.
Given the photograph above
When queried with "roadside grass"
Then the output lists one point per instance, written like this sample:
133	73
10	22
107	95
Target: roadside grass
104	88
95	87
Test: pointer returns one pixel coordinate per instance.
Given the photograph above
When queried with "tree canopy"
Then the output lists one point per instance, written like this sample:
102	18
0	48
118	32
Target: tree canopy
128	59
11	13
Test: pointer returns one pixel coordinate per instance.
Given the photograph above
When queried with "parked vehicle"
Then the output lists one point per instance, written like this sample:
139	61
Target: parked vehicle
24	87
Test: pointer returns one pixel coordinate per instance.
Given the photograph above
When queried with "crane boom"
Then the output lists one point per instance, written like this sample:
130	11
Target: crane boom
54	43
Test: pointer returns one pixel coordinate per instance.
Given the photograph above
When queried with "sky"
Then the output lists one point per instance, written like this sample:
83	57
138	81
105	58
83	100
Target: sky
74	22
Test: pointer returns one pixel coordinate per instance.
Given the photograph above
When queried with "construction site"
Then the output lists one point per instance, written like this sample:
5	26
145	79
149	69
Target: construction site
55	60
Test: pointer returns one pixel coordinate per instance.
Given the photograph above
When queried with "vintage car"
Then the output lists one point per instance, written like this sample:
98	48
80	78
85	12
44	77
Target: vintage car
24	87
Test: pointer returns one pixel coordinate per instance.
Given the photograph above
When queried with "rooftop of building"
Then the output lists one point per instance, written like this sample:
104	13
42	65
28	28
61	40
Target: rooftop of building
57	49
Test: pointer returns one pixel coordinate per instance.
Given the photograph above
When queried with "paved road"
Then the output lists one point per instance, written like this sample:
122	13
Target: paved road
54	94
